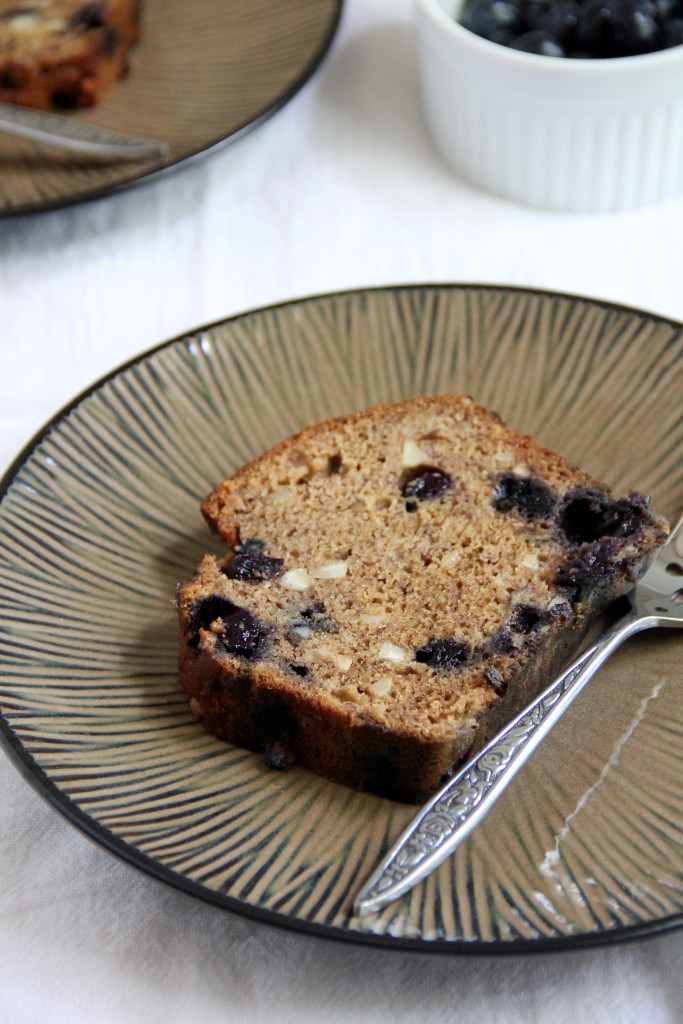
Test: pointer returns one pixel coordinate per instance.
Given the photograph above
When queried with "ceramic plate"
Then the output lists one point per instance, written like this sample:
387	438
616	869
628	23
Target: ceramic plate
99	520
204	72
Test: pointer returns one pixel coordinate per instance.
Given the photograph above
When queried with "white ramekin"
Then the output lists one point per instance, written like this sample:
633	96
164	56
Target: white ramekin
552	132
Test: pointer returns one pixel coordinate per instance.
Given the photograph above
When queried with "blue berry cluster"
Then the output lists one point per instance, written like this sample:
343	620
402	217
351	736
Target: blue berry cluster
577	28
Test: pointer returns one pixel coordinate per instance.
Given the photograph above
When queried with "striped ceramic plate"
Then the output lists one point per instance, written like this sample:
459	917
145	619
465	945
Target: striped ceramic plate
99	520
203	73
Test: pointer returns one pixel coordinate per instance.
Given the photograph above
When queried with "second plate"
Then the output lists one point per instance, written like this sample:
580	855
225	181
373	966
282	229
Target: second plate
202	74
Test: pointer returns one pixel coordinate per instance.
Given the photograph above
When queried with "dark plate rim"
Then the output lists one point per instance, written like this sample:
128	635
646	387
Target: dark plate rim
46	788
162	169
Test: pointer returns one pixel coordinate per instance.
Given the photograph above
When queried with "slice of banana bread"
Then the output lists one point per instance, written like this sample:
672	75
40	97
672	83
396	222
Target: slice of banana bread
400	583
64	53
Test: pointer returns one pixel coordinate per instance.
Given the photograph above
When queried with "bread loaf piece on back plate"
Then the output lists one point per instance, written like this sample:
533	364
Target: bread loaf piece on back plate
63	54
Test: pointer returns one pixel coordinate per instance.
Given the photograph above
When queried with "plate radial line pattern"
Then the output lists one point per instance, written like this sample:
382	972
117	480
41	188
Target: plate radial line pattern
99	520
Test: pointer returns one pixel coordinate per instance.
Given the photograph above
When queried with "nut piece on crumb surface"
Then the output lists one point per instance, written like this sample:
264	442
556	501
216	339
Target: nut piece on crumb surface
335	570
296	579
382	686
392	652
412	455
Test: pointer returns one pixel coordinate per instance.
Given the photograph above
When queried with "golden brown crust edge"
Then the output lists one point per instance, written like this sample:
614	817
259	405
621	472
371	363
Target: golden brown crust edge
218	507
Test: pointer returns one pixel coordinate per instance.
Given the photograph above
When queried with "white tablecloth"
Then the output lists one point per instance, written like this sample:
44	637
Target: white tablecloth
342	188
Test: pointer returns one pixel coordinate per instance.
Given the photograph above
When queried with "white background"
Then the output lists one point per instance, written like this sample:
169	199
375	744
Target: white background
342	188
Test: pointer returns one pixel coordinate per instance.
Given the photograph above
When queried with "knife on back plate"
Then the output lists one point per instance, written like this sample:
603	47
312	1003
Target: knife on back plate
77	135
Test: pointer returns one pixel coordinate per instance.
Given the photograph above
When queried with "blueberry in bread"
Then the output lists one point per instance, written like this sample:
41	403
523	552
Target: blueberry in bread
64	53
399	583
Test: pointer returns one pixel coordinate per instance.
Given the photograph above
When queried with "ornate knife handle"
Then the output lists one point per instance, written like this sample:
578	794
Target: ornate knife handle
657	600
460	805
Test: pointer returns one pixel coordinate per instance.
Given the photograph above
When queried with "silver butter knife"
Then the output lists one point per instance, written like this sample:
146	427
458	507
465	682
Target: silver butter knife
78	136
450	816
